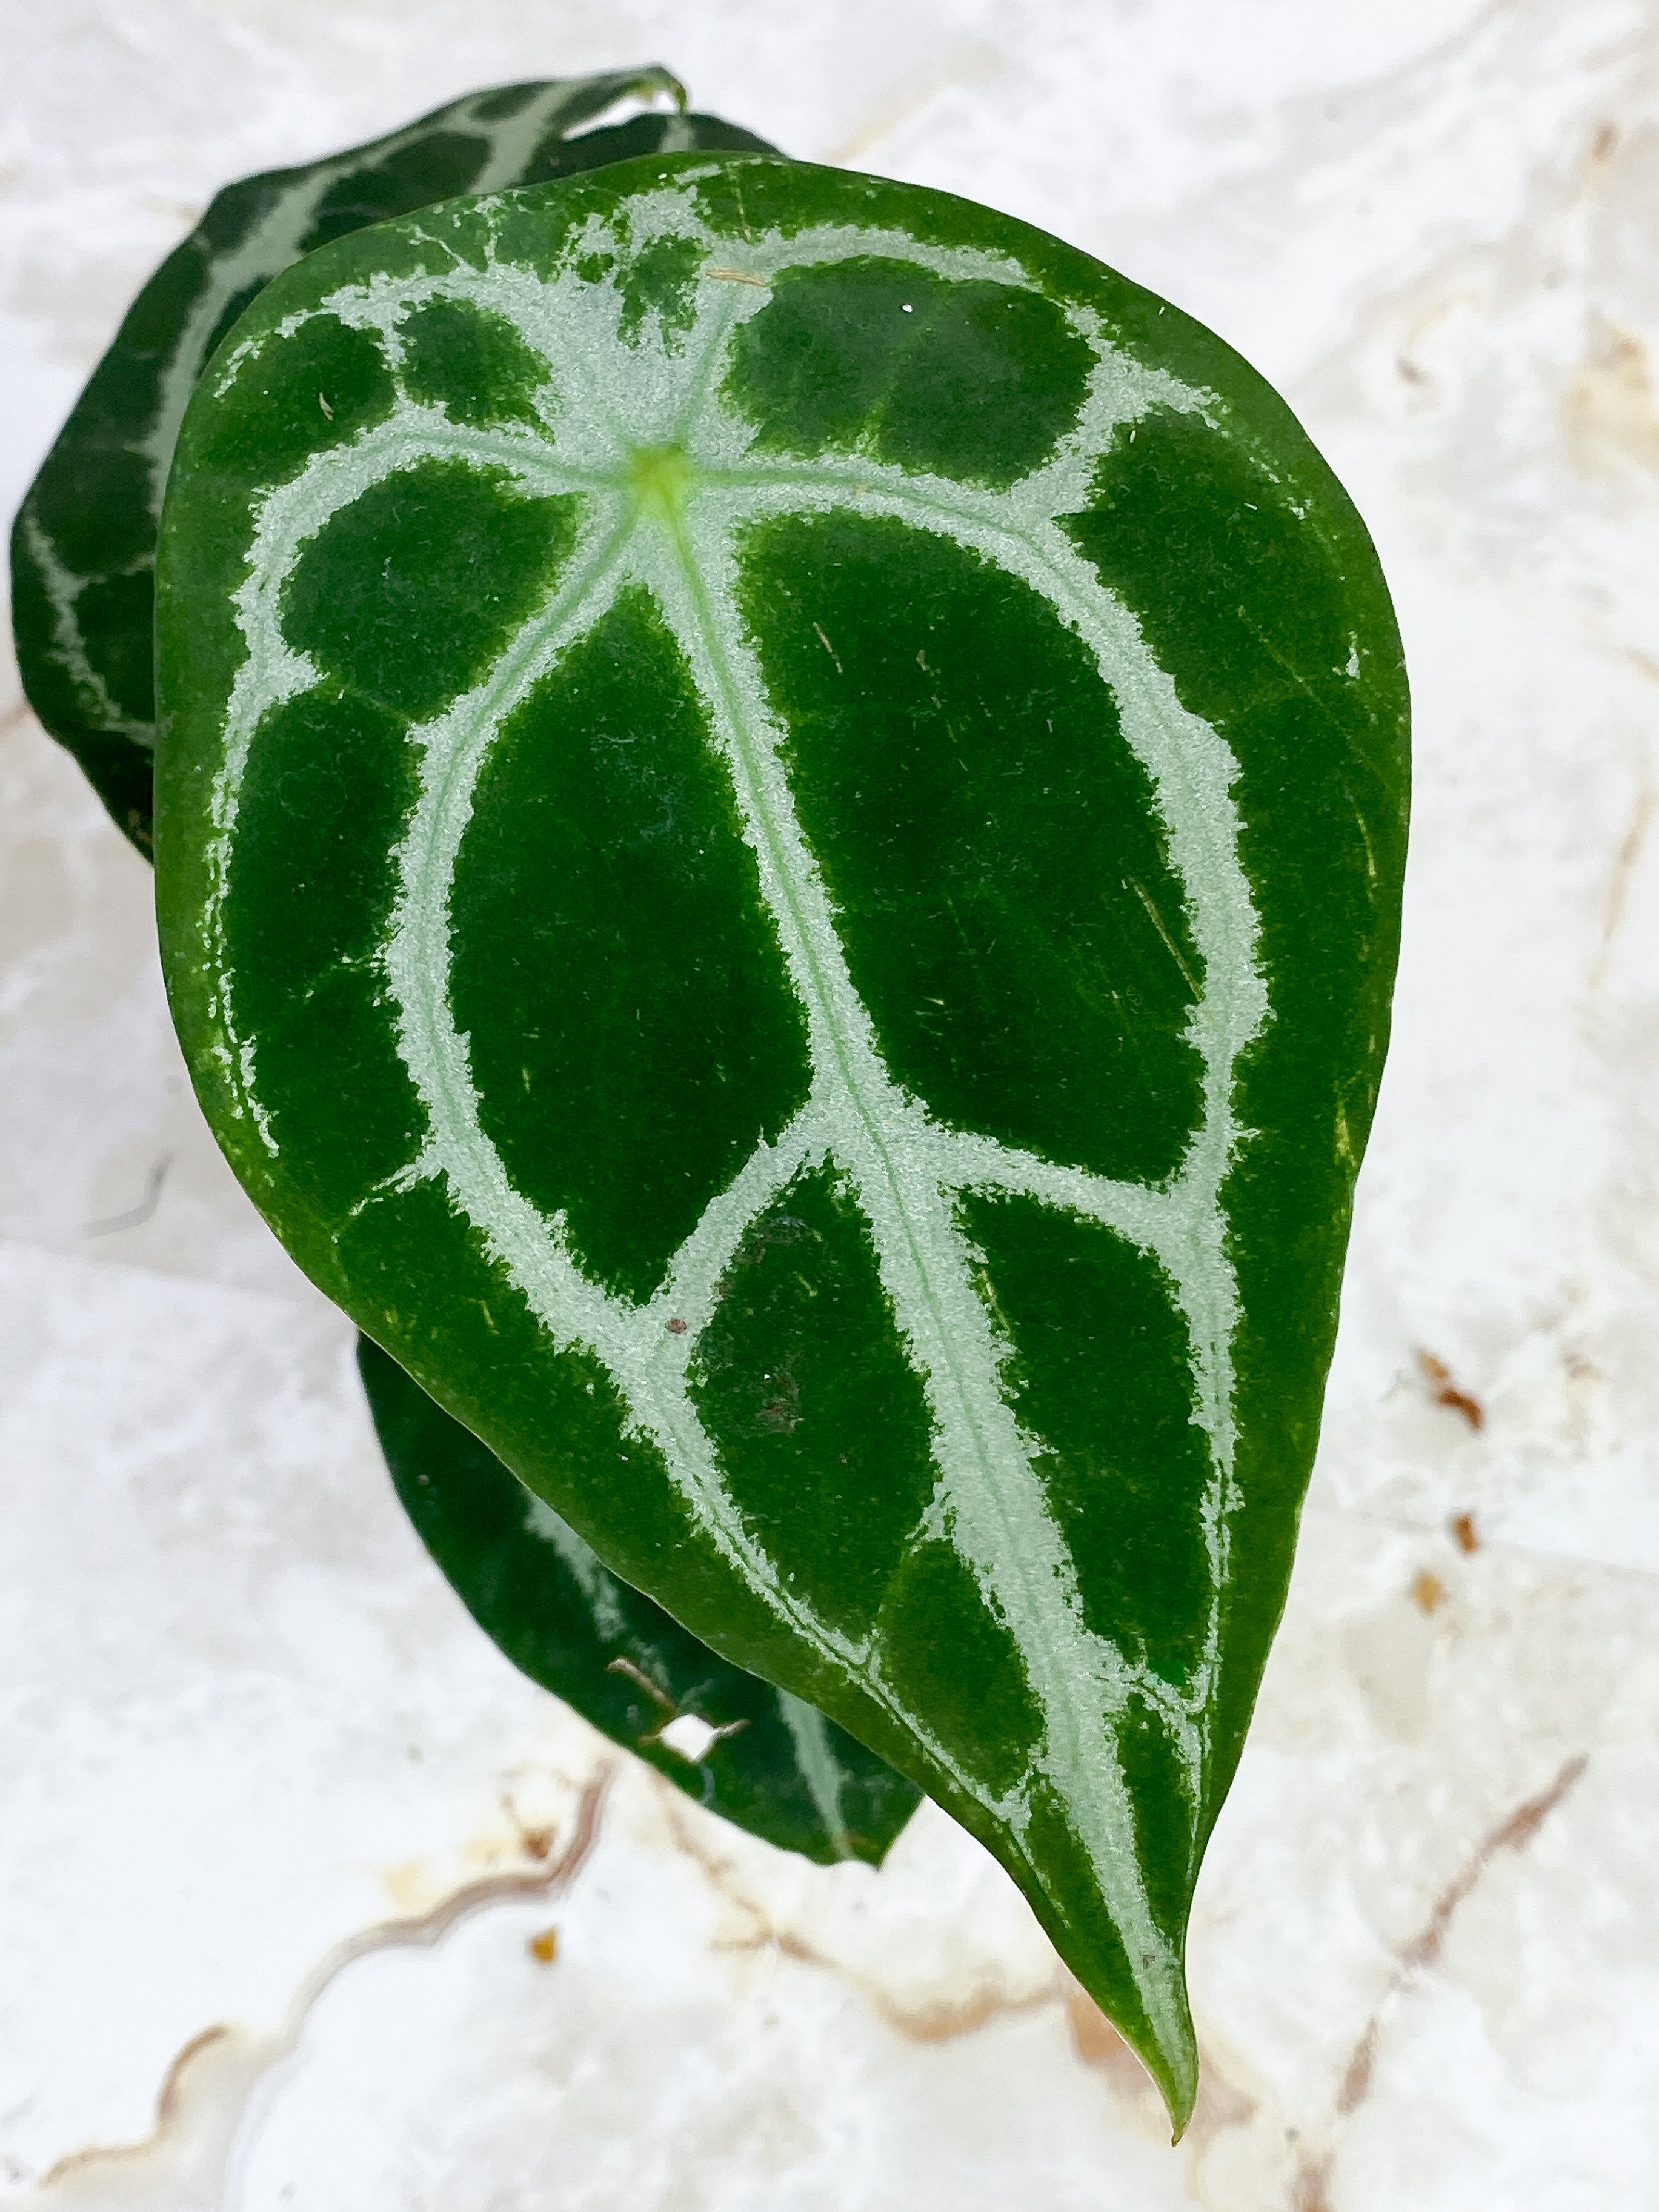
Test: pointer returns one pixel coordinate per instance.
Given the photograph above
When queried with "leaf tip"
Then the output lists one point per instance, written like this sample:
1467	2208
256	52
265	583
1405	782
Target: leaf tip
658	79
1175	2071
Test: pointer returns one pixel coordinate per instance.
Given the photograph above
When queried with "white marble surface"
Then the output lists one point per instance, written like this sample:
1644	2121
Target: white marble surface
272	1809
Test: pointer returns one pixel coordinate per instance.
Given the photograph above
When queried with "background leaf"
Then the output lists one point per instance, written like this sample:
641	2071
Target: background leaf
761	1758
792	896
83	542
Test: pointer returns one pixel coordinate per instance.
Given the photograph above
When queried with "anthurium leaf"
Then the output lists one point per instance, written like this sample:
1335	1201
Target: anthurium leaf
782	810
83	545
763	1758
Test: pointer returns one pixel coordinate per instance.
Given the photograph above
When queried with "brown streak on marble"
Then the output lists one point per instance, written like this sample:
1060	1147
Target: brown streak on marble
1098	2045
1524	1824
948	2018
169	2105
1358	2078
1428	1591
1611	414
1445	1392
1623	867
1513	1834
173	2115
719	1870
1310	2190
941	2020
427	1927
1463	1533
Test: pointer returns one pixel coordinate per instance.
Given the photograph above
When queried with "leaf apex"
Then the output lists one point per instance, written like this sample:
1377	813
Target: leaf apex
1174	2069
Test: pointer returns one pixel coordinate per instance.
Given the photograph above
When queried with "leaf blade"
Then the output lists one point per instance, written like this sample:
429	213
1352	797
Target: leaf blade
1115	1760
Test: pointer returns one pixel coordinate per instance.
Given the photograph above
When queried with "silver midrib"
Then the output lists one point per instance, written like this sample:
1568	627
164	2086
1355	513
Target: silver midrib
582	1564
906	1169
810	1732
63	589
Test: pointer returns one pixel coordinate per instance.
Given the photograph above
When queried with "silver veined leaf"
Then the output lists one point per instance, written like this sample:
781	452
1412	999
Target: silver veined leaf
781	813
83	542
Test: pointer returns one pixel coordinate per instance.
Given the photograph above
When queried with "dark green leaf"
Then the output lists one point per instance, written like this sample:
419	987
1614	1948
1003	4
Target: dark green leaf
792	898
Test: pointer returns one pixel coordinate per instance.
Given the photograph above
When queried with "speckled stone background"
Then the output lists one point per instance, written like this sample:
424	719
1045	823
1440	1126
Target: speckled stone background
307	1900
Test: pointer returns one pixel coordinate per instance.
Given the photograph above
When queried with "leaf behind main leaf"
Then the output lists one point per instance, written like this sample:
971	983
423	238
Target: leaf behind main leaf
801	923
754	1754
83	542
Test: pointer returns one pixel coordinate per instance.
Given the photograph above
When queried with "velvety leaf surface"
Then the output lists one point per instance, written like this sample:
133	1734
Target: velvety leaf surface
846	1061
83	545
763	1758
